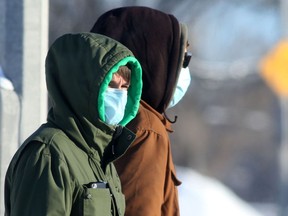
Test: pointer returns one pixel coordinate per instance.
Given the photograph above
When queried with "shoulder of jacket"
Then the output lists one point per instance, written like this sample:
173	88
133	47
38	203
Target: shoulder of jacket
147	120
46	138
40	144
46	134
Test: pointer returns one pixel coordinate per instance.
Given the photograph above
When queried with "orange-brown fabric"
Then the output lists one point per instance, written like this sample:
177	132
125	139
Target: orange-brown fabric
146	170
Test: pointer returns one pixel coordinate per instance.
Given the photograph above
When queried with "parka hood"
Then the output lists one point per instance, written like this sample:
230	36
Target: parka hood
157	40
79	68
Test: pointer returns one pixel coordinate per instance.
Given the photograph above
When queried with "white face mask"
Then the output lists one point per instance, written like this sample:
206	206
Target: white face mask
182	85
114	101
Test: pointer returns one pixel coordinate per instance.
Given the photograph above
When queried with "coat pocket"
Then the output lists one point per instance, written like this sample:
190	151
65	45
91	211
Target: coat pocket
97	202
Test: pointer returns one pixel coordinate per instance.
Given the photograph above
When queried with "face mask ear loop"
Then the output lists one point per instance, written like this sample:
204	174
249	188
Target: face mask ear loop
171	121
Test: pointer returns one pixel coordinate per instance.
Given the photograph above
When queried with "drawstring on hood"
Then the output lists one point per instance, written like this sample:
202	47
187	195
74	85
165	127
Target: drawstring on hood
159	50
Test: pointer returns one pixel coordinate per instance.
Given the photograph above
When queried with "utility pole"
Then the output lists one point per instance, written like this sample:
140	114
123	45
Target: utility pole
23	47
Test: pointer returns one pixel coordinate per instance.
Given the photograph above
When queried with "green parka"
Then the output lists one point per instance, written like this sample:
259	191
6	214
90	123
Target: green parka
53	171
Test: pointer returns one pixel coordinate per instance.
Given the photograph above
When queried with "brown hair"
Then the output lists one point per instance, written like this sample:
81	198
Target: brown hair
125	72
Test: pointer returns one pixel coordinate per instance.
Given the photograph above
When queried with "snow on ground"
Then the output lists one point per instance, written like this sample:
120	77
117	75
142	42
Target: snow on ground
204	196
4	82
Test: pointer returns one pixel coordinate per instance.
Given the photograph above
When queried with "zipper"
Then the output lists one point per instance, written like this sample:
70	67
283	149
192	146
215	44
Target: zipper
117	133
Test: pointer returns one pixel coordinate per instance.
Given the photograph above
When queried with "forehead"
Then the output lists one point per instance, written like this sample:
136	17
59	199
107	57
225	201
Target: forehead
118	81
120	77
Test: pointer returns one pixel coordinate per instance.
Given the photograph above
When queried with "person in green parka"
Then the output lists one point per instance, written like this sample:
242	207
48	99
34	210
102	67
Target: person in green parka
66	166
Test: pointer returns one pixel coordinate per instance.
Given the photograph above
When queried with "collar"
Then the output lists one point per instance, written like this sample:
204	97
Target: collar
163	119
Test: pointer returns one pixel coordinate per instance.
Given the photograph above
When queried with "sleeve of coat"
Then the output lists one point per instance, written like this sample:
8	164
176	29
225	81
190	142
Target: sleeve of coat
38	185
142	170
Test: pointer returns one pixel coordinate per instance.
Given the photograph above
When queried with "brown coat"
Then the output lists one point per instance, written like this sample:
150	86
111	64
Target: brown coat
146	170
158	41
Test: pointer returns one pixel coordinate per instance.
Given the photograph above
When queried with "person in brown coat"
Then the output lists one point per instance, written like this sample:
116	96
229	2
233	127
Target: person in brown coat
159	42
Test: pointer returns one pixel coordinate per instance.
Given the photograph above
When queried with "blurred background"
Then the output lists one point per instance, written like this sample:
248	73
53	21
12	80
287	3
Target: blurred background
230	140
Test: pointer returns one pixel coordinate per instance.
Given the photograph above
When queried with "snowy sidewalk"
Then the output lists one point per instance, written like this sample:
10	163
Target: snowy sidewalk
203	196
